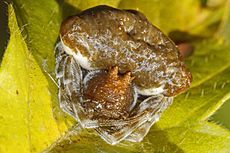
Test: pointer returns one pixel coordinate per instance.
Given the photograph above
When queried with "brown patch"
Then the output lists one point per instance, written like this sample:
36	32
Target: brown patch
109	94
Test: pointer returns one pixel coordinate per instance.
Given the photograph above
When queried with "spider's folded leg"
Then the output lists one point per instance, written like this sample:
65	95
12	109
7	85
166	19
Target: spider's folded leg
151	108
138	134
68	73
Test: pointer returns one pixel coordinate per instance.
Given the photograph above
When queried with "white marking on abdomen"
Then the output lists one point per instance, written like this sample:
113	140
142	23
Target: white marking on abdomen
150	91
82	60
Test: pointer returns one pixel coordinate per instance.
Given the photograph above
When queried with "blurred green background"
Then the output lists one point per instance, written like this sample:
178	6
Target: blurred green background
222	116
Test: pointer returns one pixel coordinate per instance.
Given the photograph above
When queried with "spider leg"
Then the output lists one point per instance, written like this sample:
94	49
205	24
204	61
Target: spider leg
151	107
68	73
138	134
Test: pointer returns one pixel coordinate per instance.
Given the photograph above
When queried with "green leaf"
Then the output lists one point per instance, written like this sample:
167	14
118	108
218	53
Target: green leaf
224	31
30	117
40	24
192	138
26	115
221	117
77	140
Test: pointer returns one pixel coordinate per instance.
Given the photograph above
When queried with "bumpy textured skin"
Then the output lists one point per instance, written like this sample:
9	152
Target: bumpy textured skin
125	38
108	95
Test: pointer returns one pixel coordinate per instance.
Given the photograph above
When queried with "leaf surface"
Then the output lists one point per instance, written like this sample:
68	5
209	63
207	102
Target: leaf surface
192	138
30	117
26	115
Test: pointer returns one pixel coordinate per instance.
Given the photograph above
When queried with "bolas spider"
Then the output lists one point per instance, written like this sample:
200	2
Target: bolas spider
117	72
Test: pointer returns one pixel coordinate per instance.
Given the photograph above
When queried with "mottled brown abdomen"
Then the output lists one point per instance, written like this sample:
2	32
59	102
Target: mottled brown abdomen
125	38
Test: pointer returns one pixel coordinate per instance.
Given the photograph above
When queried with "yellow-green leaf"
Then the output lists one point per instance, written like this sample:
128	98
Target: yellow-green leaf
41	21
191	138
224	31
27	123
30	117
